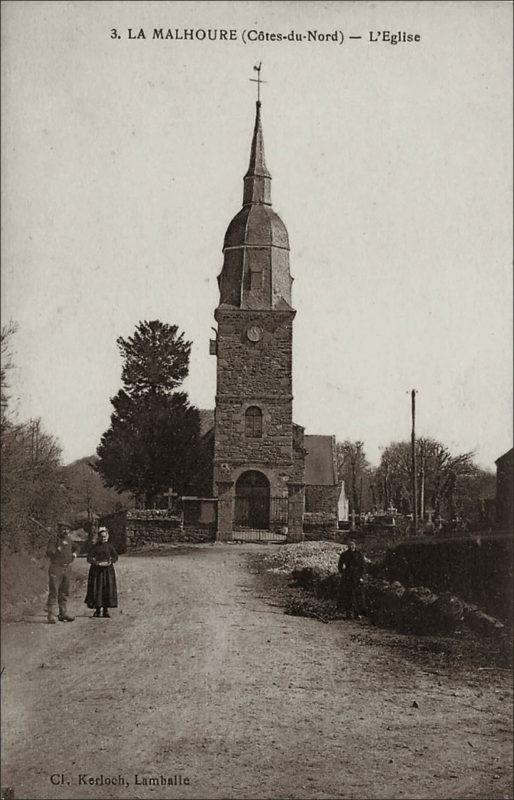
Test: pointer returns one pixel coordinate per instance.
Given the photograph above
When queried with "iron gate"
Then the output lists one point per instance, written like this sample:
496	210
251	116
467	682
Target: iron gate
279	507
260	512
252	511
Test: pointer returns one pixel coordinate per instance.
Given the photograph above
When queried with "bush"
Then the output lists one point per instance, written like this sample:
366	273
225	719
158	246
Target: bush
478	572
30	485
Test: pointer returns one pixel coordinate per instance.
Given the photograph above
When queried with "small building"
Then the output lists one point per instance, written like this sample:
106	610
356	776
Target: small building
504	490
323	489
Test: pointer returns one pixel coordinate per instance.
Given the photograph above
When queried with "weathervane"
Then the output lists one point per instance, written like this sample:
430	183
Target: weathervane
258	81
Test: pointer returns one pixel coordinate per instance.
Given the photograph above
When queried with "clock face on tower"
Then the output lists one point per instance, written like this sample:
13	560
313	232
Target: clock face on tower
254	333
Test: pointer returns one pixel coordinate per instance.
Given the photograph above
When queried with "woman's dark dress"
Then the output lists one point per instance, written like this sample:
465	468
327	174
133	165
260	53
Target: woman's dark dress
101	582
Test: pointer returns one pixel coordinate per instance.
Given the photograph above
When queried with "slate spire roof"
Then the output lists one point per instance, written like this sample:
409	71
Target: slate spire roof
257	181
255	271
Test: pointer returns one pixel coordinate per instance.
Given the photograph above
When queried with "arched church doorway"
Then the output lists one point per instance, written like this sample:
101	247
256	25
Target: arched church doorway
252	501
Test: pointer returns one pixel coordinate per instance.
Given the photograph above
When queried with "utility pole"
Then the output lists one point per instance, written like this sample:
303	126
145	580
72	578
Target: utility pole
414	470
422	484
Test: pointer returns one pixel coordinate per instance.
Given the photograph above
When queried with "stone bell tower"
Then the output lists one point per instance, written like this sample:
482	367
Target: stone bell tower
258	475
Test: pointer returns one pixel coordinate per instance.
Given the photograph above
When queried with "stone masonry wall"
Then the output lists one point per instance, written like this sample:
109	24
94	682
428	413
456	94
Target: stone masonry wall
320	518
232	444
298	470
319	526
150	528
252	369
322	499
254	373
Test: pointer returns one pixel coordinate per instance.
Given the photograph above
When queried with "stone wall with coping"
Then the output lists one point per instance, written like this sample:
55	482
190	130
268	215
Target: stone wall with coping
320	525
160	527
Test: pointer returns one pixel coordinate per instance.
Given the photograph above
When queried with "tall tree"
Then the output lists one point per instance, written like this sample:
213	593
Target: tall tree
156	359
31	483
6	364
355	471
86	493
154	438
443	475
475	489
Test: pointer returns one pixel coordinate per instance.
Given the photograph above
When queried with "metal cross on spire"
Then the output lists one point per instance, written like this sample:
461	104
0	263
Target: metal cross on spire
258	80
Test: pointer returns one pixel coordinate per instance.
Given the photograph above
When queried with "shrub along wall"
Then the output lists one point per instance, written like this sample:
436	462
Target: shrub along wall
478	571
416	610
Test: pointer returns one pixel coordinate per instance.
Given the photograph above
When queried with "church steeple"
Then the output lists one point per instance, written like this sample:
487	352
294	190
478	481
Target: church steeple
255	273
257	181
254	458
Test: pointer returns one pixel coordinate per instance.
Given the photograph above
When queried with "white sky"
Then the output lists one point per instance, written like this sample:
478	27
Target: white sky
123	164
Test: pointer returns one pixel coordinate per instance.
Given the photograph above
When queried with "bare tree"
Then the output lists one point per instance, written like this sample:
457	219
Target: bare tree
31	462
443	475
6	364
30	484
354	470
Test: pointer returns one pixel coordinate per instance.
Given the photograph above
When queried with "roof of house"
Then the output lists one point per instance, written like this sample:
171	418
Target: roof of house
505	457
206	420
319	461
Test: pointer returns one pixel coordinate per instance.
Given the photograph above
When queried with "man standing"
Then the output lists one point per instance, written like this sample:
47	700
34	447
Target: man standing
61	553
351	567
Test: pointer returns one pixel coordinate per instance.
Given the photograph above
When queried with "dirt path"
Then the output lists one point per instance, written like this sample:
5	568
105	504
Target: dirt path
198	677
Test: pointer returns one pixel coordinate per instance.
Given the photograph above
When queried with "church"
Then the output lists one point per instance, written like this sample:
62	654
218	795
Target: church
272	481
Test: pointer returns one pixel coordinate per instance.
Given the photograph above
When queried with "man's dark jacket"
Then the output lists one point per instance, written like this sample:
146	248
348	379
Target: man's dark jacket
351	563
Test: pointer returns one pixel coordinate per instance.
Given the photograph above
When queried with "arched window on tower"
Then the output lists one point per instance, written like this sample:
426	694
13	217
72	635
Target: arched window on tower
253	422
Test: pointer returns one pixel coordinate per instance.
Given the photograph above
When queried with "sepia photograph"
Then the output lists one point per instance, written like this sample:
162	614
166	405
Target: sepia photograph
256	400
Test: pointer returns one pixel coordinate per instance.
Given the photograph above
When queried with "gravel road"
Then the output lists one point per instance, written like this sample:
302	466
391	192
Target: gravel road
199	681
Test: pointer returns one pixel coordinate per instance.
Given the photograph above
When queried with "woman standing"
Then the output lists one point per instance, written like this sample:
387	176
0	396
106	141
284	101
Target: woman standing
101	583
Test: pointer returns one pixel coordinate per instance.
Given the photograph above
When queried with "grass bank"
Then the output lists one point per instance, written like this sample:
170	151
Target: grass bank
24	583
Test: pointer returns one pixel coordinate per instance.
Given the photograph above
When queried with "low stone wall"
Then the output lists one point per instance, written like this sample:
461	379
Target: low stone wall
319	525
199	535
150	514
155	526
